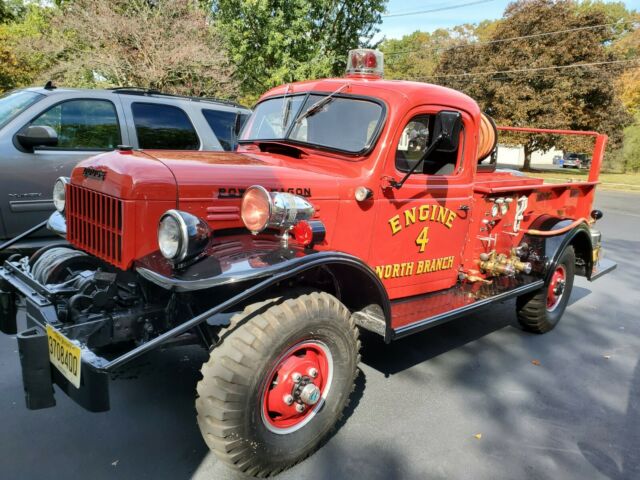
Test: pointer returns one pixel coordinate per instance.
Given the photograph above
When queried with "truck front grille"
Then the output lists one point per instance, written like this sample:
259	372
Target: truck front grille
94	223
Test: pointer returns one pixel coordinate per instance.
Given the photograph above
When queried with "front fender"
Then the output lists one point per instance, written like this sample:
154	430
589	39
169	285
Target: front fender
549	249
246	259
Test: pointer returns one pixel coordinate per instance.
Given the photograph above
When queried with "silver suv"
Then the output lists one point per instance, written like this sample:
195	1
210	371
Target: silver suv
45	132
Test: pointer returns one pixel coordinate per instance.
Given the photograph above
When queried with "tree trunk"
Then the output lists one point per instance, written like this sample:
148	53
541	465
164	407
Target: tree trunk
527	158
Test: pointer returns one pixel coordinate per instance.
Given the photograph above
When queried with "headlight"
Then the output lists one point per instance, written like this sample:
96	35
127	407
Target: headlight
262	209
59	193
181	235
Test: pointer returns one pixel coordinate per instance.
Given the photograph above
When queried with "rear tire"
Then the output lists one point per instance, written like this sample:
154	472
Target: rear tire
242	412
540	311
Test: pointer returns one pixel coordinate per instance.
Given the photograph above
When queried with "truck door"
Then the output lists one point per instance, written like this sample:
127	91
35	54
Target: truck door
421	229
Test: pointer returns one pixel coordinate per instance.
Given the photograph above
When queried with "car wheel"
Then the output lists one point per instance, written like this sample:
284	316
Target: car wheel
278	382
541	311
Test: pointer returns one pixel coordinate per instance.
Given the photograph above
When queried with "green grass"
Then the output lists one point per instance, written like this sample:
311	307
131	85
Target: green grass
610	181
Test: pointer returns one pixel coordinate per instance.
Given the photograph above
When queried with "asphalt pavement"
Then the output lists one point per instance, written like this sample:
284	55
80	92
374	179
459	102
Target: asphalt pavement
473	399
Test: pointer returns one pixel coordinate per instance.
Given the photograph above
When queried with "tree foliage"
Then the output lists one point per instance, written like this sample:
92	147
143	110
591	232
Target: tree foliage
168	45
278	41
416	56
20	63
576	98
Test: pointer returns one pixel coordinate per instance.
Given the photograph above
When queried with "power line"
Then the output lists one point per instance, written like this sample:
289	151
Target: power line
432	10
511	39
508	78
525	70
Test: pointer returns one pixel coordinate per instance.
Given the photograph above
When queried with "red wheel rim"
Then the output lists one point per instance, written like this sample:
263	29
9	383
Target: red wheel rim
556	287
297	387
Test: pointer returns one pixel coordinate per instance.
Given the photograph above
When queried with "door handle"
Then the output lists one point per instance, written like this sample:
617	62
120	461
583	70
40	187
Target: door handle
464	208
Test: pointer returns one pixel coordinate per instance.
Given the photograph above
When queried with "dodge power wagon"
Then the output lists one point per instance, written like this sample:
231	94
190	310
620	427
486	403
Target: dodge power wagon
352	203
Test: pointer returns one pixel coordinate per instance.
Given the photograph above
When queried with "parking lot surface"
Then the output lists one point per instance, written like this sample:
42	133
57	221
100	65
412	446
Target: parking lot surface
476	398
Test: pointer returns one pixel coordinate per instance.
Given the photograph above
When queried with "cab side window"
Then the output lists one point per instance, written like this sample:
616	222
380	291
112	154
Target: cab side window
83	124
414	141
163	127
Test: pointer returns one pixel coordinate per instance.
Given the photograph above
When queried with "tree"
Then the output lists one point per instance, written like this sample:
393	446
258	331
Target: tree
277	41
572	98
416	56
20	63
168	45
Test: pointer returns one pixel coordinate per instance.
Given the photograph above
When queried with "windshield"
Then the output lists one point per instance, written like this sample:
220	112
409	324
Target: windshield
339	123
14	103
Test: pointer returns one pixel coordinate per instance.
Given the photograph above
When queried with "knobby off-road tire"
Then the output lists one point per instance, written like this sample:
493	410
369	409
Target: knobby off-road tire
255	362
540	311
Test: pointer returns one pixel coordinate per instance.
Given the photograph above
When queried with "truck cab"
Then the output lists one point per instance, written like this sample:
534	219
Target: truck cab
351	204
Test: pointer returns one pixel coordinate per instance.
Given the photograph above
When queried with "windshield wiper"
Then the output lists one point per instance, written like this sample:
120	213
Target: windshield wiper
286	109
315	108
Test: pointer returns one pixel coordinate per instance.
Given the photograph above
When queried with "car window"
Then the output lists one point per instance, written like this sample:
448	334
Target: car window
83	124
225	125
163	127
414	141
14	103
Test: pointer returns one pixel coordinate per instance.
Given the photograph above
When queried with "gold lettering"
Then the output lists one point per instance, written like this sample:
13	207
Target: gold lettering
452	216
380	271
420	268
442	215
396	270
409	217
394	222
387	271
409	270
423	213
439	264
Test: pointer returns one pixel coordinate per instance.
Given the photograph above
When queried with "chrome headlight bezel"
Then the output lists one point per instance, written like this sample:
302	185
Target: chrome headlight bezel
193	236
283	210
59	194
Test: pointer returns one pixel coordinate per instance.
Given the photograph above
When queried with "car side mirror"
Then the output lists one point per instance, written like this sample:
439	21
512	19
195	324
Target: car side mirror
37	136
447	127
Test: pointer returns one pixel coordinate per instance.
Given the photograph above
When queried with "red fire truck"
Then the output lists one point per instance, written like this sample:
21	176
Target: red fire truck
352	203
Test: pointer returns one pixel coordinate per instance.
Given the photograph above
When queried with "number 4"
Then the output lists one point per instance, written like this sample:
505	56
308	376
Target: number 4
423	239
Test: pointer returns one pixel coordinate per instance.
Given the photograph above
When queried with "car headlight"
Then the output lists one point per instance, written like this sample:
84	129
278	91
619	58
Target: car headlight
262	209
182	235
59	193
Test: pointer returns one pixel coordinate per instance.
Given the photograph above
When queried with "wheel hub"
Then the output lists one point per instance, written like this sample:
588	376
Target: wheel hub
297	387
556	287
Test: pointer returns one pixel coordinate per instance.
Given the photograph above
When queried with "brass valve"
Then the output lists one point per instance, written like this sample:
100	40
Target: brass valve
495	264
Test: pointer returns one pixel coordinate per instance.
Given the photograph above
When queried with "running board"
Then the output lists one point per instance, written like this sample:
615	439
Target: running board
426	311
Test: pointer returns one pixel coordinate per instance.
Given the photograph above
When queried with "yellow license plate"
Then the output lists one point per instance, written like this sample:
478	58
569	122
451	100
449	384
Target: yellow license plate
64	355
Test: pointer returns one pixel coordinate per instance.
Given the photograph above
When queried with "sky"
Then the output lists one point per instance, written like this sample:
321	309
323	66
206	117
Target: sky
470	11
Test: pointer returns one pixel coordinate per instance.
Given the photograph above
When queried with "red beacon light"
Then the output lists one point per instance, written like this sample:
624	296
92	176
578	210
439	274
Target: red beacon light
365	62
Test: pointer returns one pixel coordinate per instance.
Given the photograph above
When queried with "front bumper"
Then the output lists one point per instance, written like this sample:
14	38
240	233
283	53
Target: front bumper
38	374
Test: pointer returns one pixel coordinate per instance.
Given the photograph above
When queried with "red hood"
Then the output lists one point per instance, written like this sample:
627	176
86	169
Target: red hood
153	175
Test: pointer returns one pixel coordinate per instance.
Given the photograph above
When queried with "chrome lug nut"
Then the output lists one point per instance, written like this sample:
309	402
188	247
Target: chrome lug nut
310	394
288	399
296	377
313	373
300	408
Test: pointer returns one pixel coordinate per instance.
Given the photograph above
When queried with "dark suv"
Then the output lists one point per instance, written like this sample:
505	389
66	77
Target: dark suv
45	132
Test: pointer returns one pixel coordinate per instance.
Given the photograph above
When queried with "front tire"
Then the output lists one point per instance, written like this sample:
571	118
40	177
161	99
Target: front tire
278	382
540	311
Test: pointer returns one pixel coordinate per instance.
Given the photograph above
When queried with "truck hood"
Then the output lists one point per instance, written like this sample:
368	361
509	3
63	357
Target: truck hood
191	176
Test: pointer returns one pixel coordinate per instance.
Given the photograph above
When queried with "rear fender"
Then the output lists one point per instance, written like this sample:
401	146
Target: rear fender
550	249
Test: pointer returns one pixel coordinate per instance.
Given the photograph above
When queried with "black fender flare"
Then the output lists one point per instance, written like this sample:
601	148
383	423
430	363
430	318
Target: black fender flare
549	249
355	283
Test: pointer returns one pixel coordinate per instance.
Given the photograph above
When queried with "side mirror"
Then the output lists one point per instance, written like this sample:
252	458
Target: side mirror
37	136
447	125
